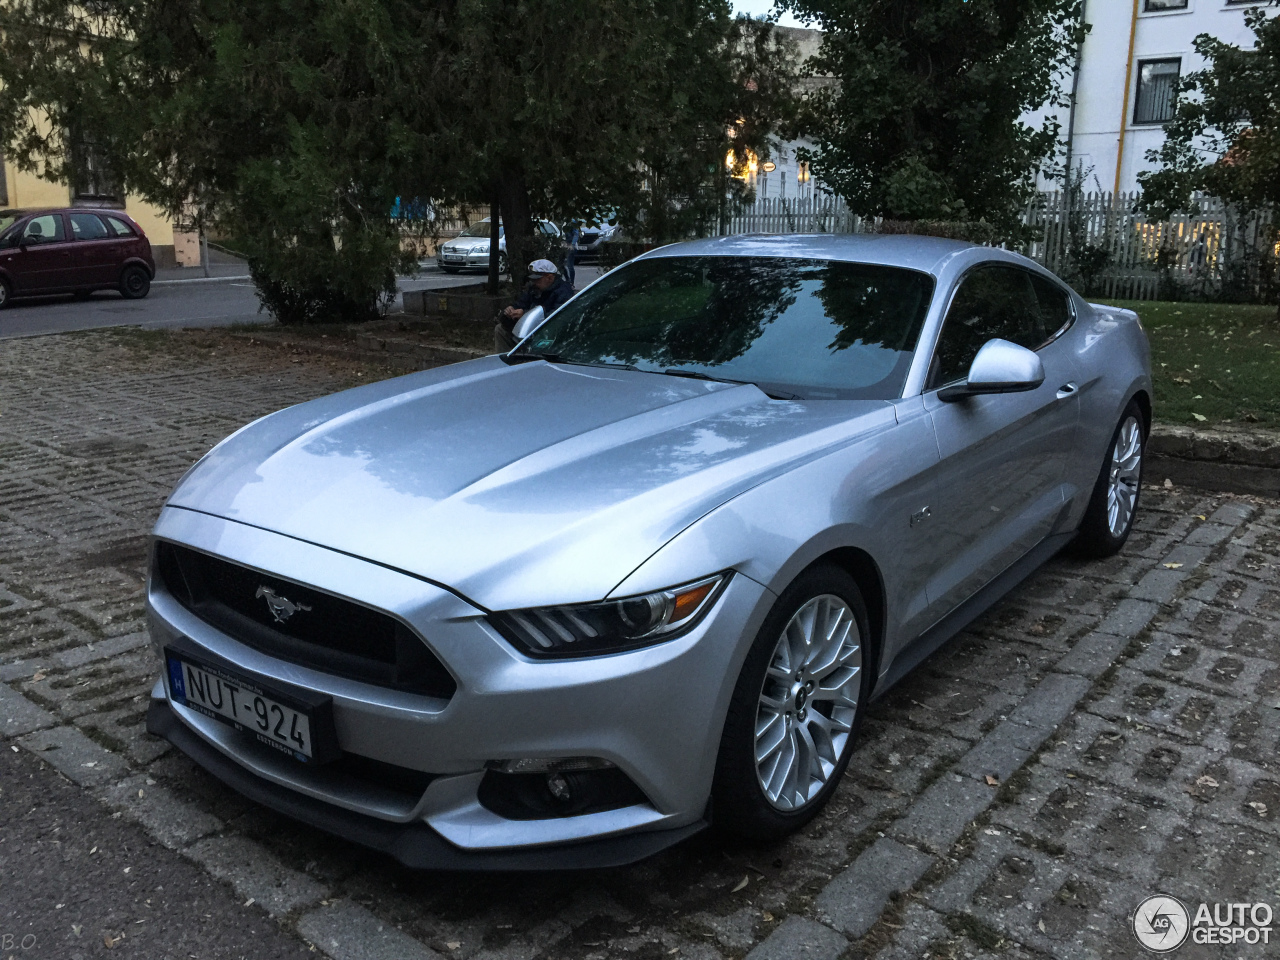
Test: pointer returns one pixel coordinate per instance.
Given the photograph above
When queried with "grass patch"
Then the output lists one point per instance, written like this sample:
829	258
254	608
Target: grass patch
1213	363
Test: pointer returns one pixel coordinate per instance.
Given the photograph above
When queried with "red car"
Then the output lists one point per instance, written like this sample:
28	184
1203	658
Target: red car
73	251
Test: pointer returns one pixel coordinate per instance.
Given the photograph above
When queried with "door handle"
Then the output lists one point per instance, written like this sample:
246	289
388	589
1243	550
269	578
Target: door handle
1067	390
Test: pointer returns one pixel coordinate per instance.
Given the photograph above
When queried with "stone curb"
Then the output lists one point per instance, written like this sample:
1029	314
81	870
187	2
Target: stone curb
1230	461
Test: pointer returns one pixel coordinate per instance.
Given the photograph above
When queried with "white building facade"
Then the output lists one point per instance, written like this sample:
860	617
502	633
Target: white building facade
1131	63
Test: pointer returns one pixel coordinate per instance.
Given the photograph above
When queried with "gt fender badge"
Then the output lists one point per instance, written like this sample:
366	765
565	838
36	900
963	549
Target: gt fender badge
920	516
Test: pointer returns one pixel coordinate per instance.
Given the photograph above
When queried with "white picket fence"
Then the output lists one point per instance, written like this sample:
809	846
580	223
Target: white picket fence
821	213
1101	238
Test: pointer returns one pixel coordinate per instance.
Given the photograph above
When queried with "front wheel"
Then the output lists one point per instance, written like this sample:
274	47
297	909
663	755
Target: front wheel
135	283
5	293
1114	503
796	708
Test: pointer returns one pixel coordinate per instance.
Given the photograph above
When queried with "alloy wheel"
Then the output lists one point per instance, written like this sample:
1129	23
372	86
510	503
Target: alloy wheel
1126	473
808	702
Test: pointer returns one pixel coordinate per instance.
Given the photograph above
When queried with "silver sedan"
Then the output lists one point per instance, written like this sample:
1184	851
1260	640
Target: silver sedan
567	606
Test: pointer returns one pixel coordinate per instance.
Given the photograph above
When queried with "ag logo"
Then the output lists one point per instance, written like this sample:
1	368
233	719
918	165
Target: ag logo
1161	923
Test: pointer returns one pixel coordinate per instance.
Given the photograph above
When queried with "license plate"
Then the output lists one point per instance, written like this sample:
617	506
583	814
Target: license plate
243	704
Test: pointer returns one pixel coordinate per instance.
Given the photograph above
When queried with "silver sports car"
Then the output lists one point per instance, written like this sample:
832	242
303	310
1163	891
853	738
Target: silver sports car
567	606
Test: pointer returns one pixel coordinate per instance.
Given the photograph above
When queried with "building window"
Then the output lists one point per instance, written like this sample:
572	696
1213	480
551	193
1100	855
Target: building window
1157	90
1154	6
93	185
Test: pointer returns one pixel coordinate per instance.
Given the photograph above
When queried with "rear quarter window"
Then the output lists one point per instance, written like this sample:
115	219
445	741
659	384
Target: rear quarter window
119	228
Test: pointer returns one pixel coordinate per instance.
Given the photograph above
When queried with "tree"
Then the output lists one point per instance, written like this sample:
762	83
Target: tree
921	119
294	125
618	107
1224	138
277	122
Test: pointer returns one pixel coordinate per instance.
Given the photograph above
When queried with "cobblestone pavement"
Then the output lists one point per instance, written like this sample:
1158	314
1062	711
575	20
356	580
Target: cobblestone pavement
1107	732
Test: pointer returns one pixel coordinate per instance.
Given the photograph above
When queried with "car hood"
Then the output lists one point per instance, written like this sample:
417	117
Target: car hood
513	485
466	246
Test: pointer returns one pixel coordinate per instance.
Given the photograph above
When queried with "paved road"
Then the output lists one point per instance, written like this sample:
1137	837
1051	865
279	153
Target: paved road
1106	733
193	302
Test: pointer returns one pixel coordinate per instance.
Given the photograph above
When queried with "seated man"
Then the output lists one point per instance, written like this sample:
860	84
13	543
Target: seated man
546	289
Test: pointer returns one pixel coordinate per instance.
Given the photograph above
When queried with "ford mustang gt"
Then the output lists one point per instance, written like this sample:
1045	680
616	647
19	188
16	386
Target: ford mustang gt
568	605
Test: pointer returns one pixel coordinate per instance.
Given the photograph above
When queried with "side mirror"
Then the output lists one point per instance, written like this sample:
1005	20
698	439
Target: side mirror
529	321
999	367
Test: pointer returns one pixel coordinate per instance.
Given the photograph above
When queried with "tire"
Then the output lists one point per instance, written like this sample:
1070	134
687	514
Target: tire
773	702
449	269
1108	520
6	293
135	283
503	268
81	294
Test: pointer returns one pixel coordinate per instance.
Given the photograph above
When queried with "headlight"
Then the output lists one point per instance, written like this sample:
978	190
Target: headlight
612	626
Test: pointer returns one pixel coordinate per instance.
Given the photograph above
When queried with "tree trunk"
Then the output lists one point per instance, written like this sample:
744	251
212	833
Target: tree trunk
513	196
495	225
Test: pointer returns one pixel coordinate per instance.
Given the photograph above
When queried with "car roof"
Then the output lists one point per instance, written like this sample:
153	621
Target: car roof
29	211
898	250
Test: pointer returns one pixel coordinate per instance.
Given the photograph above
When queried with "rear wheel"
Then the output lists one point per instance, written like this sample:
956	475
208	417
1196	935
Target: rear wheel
1114	504
5	293
82	294
135	283
796	708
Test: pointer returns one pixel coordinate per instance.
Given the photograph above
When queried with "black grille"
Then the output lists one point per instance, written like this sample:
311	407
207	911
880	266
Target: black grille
324	631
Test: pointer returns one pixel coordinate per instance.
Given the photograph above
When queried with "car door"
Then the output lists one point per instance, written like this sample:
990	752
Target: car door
95	252
1002	457
42	260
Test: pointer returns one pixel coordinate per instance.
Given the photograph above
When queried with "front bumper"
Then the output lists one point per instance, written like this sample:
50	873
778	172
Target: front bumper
655	713
415	845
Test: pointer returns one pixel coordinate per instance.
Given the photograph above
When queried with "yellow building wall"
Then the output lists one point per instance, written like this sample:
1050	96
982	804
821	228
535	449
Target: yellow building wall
26	190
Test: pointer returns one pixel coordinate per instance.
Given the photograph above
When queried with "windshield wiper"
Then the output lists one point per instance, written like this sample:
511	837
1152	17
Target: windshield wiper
697	375
510	358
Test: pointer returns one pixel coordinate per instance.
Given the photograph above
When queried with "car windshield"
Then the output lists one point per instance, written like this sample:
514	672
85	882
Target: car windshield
480	229
810	329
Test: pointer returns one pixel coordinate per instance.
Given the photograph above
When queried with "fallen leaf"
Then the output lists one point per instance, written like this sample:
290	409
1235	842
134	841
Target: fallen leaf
76	928
1200	417
39	676
1040	924
673	950
742	884
1168	484
110	941
766	916
1206	781
250	902
991	781
1259	808
1173	566
454	944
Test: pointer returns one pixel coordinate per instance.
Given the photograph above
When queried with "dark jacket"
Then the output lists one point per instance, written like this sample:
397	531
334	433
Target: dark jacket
552	298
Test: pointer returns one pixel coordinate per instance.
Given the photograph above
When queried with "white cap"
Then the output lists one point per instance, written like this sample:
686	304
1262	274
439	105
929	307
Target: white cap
542	266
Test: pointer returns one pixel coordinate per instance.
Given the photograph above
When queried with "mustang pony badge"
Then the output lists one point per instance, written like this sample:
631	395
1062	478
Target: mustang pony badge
282	608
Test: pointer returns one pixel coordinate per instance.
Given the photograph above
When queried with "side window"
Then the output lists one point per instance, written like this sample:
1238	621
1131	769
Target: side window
992	302
46	229
85	226
119	227
1055	304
